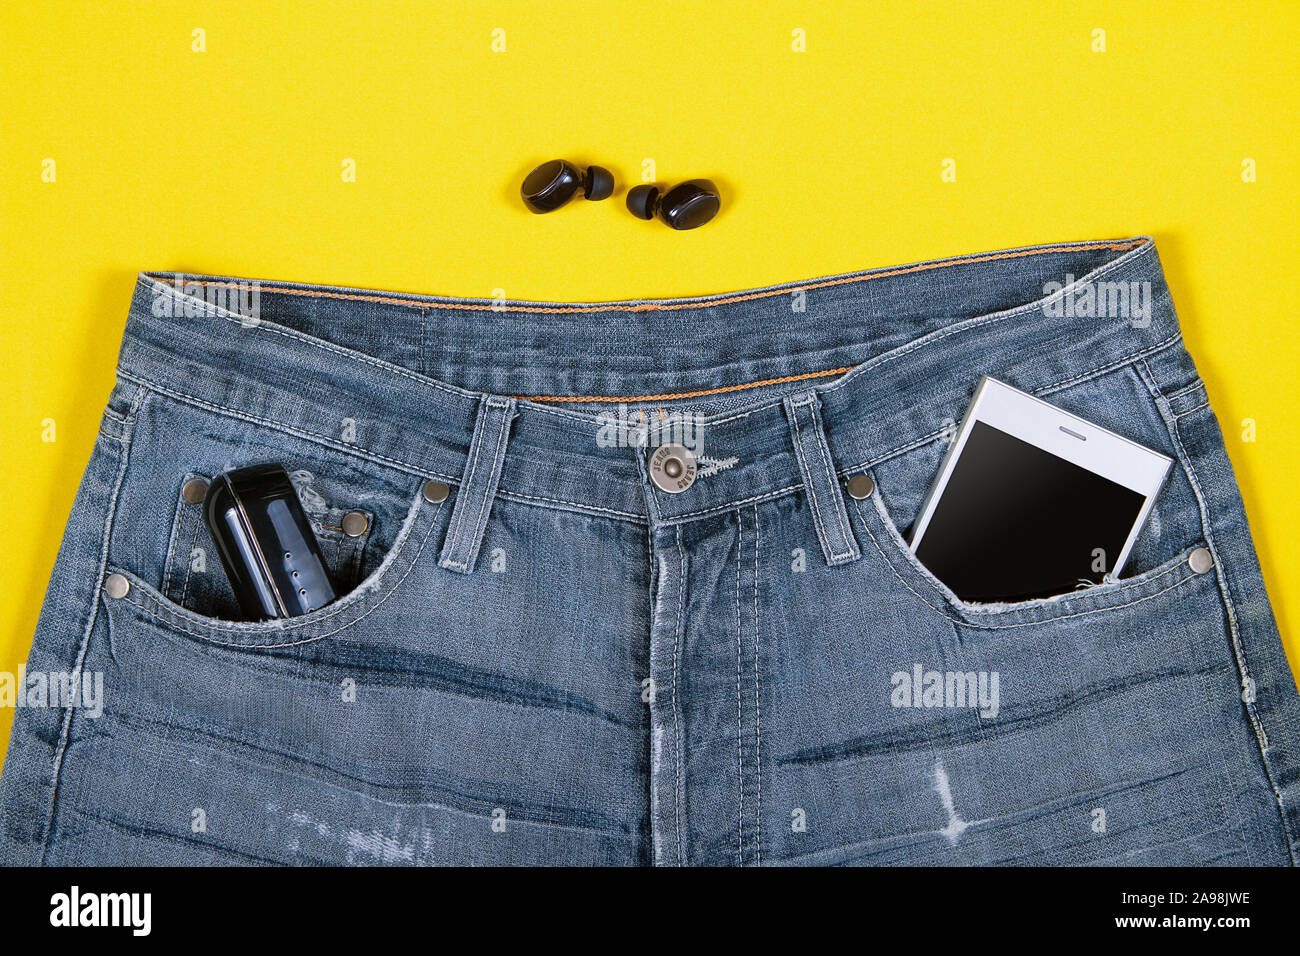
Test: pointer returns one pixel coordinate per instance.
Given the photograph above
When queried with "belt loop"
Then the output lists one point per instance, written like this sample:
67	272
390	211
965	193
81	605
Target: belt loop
478	485
824	494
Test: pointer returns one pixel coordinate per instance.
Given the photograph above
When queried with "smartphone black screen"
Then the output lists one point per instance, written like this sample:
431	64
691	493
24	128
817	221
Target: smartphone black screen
1016	522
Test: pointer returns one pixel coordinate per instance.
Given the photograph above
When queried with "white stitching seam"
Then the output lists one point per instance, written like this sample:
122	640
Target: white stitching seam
91	617
1110	367
740	760
732	505
758	714
516	495
1196	408
1239	651
677	729
1182	391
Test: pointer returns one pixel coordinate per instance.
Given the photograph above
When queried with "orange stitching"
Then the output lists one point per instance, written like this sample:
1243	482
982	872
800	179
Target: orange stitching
671	306
674	395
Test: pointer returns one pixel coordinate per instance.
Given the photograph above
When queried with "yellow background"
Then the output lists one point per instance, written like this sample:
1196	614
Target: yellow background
230	161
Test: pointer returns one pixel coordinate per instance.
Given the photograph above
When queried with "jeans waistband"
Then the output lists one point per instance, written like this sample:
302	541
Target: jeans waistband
888	354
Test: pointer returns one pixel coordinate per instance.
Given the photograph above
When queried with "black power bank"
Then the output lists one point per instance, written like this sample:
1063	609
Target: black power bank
266	543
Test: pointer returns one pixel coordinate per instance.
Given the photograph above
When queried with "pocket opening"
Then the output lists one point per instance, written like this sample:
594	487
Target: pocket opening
147	601
882	531
192	573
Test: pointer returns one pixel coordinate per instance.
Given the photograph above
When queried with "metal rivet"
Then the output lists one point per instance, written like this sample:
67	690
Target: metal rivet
861	486
116	586
672	468
355	524
436	491
195	490
1201	560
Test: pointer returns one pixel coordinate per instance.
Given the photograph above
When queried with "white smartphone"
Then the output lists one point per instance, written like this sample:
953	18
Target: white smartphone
1032	501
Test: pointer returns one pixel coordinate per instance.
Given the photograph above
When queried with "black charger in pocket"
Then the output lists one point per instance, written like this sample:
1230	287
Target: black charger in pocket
266	543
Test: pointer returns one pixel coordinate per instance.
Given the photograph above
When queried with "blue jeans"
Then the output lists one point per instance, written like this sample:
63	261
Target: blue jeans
547	652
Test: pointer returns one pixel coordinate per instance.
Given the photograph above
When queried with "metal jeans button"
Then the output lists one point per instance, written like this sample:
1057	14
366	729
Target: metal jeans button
355	524
672	468
1201	560
435	491
194	490
116	586
861	486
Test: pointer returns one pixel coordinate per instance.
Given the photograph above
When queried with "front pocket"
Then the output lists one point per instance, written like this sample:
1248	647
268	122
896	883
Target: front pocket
880	536
150	607
193	577
1118	400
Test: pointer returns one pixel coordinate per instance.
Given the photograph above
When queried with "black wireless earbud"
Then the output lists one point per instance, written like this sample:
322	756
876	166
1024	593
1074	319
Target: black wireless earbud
687	206
551	185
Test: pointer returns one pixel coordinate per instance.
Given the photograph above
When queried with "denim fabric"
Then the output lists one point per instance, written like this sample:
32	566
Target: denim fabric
561	663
